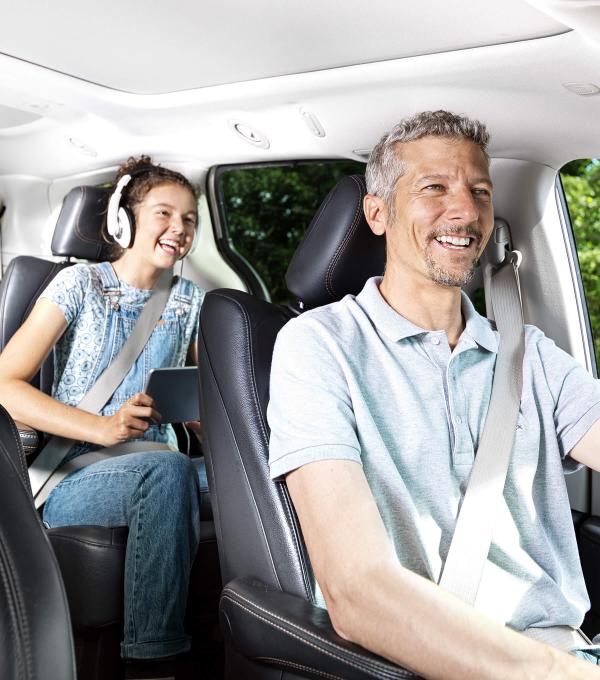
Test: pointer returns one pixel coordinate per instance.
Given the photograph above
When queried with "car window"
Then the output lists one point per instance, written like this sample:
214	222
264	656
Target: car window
266	210
581	185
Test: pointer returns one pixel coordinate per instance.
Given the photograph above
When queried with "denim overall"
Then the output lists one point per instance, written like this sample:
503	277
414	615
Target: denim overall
155	493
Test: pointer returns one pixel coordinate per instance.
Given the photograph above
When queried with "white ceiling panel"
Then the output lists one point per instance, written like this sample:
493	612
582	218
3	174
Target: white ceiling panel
11	118
154	47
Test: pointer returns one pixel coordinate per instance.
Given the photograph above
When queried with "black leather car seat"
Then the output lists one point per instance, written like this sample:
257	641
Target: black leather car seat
271	626
35	630
91	558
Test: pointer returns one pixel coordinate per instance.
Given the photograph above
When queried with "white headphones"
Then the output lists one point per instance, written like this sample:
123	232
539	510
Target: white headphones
120	222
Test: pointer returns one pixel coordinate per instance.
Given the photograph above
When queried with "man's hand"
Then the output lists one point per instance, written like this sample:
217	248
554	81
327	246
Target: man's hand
129	422
195	426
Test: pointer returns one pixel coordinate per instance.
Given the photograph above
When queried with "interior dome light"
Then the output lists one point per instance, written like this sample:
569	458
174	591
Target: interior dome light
582	89
82	147
250	134
312	122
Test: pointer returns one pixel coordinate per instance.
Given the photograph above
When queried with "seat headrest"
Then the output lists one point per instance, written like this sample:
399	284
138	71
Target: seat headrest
78	231
339	252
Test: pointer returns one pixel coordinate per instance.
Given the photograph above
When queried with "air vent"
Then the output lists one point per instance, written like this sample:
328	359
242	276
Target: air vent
582	89
250	134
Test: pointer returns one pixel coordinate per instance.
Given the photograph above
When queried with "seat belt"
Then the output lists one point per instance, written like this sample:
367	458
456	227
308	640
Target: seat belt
561	637
472	537
43	472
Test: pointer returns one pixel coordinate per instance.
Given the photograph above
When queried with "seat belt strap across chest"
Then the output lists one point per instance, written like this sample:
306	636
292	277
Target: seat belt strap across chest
52	455
472	537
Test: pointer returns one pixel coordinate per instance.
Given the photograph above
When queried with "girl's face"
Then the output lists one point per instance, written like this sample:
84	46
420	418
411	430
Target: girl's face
165	224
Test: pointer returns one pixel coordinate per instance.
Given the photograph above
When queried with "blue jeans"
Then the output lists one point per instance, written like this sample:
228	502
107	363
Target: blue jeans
156	494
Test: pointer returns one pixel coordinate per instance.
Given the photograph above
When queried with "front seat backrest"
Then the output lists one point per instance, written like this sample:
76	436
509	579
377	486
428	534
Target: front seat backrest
272	628
235	369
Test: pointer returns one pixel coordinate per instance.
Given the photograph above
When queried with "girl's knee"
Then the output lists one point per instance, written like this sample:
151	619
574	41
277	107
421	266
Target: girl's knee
174	467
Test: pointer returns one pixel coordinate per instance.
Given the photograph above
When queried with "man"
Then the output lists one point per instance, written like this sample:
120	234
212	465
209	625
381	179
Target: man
377	407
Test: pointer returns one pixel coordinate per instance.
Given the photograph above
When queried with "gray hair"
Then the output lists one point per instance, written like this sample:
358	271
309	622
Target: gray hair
385	166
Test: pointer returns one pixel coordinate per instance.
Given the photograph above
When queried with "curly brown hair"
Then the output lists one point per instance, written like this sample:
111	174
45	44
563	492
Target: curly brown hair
145	176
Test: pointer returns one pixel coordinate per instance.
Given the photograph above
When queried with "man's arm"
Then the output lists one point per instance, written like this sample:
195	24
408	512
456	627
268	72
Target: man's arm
587	449
376	603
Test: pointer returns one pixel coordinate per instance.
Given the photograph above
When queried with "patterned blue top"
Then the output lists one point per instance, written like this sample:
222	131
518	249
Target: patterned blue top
101	312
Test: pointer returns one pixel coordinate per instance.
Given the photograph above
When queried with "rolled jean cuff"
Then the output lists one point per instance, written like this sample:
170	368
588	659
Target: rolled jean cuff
155	650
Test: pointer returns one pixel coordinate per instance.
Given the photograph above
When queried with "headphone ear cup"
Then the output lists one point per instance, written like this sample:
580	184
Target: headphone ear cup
124	231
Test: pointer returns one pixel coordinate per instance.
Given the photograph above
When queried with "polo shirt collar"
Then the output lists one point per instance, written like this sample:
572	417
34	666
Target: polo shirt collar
397	328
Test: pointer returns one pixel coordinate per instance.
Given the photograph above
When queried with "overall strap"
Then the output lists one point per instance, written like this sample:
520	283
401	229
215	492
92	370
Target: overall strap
51	457
108	278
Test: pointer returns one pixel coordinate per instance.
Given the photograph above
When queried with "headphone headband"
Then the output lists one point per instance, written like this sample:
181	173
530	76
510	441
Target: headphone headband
119	219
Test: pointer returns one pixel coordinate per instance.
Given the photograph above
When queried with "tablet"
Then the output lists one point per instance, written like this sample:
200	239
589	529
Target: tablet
175	393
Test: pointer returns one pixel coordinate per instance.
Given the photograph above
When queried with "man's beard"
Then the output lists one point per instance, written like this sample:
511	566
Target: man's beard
442	276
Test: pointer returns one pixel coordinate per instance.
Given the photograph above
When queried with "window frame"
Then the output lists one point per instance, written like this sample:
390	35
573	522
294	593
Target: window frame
218	211
584	486
576	277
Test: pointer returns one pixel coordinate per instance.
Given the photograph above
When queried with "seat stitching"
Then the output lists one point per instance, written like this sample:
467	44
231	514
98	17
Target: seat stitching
5	577
251	362
358	662
292	664
315	221
20	456
349	234
212	375
292	520
306	581
86	542
7	276
20	615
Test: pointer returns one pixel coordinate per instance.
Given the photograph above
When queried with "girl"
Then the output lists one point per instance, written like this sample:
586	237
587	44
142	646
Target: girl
154	493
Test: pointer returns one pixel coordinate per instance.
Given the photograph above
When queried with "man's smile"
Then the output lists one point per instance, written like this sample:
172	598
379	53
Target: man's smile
461	240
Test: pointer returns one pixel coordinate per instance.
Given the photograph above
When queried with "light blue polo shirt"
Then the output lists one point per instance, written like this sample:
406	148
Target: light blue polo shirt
356	381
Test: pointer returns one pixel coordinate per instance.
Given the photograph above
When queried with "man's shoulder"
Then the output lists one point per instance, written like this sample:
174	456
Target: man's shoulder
537	341
336	319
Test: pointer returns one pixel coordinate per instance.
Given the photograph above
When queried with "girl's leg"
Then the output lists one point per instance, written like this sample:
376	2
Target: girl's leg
156	495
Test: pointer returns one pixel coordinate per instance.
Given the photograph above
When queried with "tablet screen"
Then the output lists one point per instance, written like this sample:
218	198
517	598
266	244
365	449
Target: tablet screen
175	393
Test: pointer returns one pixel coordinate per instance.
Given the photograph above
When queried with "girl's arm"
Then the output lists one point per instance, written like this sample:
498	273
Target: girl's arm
20	361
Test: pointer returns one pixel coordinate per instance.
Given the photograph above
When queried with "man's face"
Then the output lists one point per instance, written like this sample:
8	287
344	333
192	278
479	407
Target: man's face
443	210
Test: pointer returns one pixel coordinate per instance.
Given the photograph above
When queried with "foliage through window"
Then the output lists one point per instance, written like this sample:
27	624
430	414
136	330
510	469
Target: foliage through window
269	208
581	184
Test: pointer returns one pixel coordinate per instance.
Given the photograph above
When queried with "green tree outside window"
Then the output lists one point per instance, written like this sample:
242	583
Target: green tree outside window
581	183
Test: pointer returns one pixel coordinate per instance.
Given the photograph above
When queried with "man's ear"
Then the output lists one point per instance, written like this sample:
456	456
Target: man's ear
375	213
